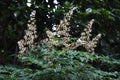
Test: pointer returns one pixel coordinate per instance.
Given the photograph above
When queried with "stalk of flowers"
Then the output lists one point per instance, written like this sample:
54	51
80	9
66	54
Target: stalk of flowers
85	40
62	28
30	35
61	32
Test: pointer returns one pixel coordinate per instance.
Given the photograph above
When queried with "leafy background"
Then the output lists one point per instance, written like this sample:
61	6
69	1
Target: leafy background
15	13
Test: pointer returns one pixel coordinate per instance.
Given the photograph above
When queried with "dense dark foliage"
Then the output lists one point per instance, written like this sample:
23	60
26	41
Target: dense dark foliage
13	19
61	65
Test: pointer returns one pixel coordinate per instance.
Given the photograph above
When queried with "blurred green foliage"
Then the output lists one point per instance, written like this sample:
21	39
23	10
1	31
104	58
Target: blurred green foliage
43	64
14	15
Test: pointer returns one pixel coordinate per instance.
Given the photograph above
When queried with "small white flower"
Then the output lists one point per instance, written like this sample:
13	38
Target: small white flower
25	37
55	33
79	40
99	35
58	35
33	13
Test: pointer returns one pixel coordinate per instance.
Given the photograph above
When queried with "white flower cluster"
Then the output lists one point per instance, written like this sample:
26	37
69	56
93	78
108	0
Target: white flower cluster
60	37
30	35
85	40
61	31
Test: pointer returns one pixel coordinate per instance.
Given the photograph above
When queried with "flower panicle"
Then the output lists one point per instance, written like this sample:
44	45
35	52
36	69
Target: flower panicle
86	34
85	40
63	26
30	35
61	31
